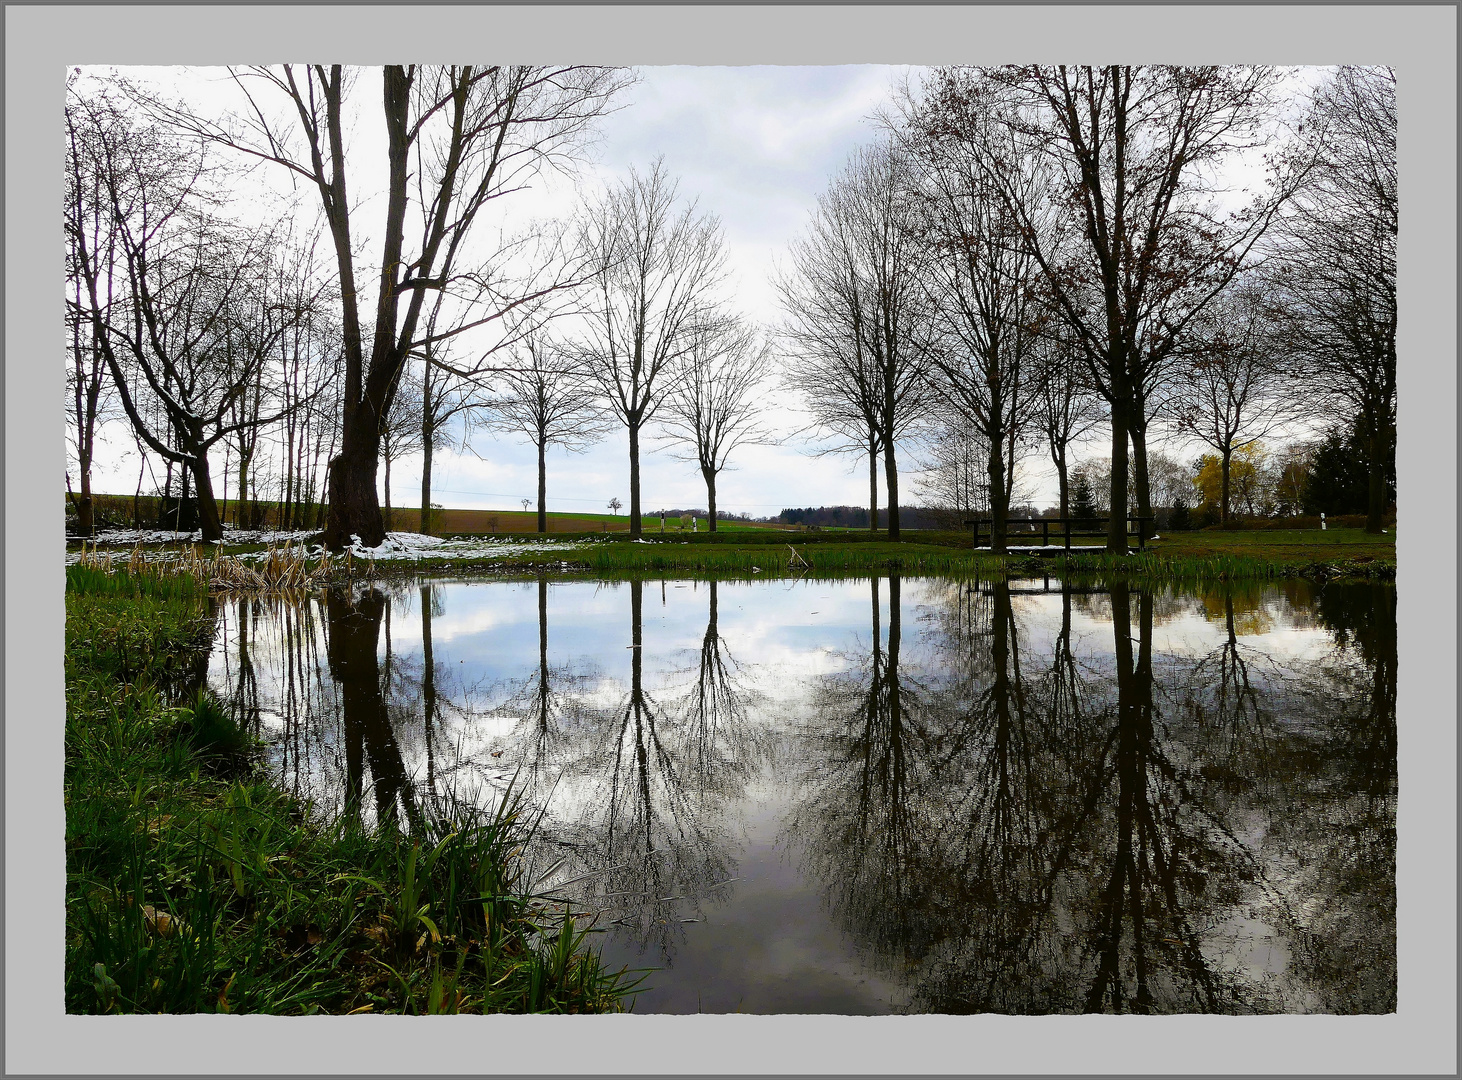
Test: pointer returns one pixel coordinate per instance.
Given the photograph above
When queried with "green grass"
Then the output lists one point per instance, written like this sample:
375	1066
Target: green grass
194	886
1189	556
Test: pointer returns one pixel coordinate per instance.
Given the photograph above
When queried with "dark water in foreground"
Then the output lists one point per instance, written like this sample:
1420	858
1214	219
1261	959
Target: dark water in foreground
896	795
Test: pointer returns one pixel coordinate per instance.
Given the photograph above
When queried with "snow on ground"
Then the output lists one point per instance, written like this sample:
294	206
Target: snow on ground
397	545
231	535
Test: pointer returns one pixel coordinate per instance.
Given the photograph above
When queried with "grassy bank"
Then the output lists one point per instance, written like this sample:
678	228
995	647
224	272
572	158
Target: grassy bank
1205	555
194	886
1195	556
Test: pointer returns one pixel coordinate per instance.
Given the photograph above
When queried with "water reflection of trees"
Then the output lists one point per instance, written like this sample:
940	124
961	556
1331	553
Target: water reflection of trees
1042	833
354	623
650	781
1346	854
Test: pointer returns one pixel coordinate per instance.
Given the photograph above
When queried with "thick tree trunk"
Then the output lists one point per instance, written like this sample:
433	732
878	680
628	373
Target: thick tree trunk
354	508
208	521
634	477
710	475
542	485
891	485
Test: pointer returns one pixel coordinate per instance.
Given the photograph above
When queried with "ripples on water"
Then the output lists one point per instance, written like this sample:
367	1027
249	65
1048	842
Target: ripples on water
887	795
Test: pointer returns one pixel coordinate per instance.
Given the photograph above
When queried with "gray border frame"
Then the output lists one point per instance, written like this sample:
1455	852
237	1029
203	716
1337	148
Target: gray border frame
1419	40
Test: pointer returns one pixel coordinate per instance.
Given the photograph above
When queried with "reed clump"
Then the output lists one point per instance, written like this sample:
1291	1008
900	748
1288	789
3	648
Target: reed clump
281	569
194	885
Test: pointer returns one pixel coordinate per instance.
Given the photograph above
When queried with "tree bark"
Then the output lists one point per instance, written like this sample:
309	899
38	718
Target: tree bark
354	509
1138	429
999	497
426	439
891	483
872	486
85	518
710	475
208	521
542	484
634	477
1117	506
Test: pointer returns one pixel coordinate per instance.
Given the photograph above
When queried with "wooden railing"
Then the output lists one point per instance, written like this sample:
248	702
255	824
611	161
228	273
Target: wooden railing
1139	526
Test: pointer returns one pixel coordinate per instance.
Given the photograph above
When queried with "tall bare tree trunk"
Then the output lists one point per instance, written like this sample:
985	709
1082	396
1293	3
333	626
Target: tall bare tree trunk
891	482
542	484
634	477
426	522
872	486
710	475
1117	506
999	497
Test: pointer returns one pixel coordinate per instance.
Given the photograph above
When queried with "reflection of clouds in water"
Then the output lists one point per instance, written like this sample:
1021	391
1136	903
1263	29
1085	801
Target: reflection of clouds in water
648	793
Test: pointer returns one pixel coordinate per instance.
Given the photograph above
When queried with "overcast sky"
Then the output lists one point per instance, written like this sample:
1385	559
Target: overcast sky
754	146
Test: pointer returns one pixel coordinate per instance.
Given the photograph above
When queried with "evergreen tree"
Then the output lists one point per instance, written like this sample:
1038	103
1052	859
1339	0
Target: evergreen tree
1083	503
1339	478
1180	520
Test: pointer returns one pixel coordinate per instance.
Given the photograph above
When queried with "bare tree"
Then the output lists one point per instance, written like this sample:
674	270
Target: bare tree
547	398
1336	264
193	315
1123	216
1066	407
89	227
657	272
854	310
985	312
1235	386
472	134
715	407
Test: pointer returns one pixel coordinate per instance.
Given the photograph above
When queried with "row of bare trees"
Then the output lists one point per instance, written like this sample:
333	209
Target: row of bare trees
1029	250
1026	252
210	332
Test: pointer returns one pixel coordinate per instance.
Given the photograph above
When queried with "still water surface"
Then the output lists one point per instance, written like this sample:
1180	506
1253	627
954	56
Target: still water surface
887	795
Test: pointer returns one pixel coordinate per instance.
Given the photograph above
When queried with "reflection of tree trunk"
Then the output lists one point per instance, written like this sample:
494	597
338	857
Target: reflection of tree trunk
247	701
1107	987
543	683
1141	855
354	632
428	684
637	705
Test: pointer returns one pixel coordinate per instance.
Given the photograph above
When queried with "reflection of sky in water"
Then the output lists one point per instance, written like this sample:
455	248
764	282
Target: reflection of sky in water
717	804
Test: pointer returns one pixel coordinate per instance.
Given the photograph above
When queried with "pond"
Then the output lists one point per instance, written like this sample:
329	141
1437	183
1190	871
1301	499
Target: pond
886	795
